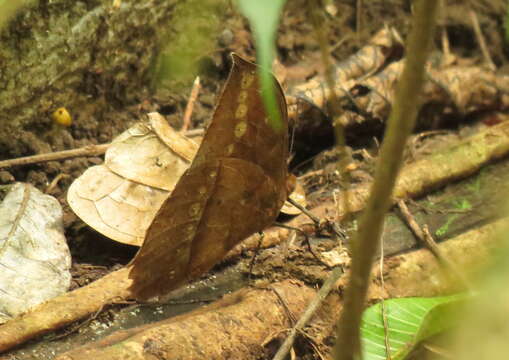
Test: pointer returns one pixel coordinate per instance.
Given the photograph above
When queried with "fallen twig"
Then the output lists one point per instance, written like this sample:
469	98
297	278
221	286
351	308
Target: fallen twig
328	225
89	150
480	40
382	303
308	313
417	273
55	181
186	120
425	237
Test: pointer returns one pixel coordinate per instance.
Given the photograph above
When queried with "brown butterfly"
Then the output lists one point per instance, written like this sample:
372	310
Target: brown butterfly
234	187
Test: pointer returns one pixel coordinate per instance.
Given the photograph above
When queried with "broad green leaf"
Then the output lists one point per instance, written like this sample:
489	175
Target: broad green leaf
409	321
263	16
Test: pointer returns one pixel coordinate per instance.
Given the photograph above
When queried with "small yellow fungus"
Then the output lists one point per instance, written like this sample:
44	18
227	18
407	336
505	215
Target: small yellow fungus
62	117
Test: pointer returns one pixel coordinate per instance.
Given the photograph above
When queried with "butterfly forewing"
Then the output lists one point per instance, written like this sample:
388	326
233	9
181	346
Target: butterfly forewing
234	187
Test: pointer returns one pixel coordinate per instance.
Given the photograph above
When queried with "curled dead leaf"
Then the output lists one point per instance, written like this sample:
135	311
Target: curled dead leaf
120	198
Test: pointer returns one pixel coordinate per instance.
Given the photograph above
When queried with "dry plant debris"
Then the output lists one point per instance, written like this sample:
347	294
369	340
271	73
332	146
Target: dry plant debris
367	84
81	302
34	256
142	166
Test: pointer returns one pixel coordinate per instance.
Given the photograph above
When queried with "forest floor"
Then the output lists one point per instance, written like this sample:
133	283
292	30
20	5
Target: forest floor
461	206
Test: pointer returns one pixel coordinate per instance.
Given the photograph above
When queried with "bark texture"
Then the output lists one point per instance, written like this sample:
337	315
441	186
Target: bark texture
233	328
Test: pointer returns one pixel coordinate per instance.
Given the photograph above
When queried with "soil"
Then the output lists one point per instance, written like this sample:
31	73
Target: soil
299	59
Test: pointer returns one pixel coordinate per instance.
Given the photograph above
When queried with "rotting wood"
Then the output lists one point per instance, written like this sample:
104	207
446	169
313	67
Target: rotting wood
233	327
65	309
418	273
454	163
436	170
411	274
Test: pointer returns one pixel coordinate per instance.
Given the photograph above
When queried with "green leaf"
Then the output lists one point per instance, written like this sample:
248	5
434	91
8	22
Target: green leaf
445	228
263	15
184	46
9	8
409	321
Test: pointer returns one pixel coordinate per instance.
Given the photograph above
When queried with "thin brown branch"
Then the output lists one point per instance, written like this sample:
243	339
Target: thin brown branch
55	182
426	238
401	122
89	150
358	20
308	313
382	303
329	225
339	129
186	120
480	40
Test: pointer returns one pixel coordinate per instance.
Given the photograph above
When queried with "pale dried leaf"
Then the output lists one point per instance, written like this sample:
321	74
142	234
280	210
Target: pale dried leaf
116	207
152	154
336	257
299	196
34	257
120	198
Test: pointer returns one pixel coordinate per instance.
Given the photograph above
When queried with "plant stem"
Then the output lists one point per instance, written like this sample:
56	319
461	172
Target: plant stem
335	108
401	123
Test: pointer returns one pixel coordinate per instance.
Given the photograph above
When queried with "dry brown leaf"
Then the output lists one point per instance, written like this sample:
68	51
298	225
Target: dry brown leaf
366	84
151	154
120	198
235	186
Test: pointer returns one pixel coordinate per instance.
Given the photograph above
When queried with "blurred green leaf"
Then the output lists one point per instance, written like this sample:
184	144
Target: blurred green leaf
194	29
9	8
409	321
263	16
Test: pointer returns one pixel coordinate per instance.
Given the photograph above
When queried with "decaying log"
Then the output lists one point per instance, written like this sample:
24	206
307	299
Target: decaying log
454	163
411	274
65	309
228	326
418	273
232	328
